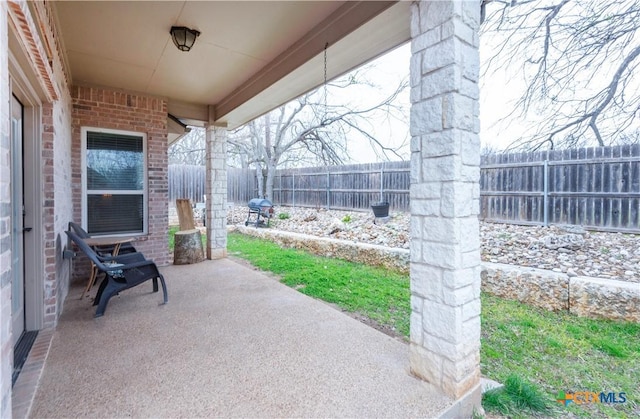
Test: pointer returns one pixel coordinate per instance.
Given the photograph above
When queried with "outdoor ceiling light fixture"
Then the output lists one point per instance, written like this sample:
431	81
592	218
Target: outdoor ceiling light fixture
183	37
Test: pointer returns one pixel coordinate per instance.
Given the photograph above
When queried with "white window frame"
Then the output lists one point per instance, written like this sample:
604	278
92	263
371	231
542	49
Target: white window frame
145	195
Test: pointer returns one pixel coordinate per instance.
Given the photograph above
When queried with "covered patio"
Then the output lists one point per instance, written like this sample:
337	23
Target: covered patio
231	342
82	75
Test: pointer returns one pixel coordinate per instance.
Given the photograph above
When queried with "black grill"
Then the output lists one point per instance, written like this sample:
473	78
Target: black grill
262	208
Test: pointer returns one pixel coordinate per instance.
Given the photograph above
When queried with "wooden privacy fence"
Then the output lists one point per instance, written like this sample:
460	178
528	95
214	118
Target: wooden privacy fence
186	182
595	187
344	187
241	185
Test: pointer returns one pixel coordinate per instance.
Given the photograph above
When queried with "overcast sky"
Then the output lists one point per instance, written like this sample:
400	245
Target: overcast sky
497	96
387	71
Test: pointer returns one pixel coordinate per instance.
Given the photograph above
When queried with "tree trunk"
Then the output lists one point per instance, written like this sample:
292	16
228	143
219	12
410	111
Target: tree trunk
271	175
260	179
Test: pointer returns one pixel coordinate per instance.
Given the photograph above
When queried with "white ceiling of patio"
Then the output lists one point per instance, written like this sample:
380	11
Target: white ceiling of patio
251	56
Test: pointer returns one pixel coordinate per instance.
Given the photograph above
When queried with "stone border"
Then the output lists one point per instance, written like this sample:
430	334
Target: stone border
604	298
535	287
595	298
368	254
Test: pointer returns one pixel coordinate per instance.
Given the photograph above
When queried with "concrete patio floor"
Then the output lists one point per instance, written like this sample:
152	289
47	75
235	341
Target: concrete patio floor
231	342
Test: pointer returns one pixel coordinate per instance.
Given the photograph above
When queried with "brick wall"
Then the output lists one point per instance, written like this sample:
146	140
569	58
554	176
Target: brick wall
57	269
55	175
110	109
6	348
48	215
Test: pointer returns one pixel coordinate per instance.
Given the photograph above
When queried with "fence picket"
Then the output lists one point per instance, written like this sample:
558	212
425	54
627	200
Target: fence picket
596	187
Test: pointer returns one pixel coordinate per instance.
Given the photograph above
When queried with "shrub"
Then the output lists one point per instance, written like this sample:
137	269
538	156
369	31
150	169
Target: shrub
283	216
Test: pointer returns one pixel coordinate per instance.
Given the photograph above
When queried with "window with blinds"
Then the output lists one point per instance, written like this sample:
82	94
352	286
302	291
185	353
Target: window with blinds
115	179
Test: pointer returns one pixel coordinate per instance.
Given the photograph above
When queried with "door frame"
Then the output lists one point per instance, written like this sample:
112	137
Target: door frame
23	87
18	304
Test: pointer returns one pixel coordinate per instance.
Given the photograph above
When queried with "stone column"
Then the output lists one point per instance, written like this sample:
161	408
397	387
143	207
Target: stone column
216	192
445	173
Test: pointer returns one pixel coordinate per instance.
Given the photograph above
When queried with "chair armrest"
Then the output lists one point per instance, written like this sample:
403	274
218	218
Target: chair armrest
124	259
138	265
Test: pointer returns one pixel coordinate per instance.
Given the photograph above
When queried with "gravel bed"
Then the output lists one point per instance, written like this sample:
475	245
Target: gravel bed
570	250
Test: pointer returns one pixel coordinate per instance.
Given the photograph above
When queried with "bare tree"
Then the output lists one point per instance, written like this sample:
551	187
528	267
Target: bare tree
190	149
313	130
632	137
579	63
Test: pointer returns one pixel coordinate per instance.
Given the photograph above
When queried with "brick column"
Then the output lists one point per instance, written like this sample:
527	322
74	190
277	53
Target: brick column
216	192
445	173
6	346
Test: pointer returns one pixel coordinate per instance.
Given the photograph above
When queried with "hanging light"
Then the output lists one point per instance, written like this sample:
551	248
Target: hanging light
183	37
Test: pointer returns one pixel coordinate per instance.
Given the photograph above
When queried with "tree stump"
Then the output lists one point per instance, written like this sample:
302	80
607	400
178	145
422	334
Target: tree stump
188	247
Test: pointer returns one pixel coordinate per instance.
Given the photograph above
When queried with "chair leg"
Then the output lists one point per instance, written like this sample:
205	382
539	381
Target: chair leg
109	291
92	280
108	288
101	289
164	289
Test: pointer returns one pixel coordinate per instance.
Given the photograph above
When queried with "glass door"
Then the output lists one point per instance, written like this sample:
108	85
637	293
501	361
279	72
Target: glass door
17	221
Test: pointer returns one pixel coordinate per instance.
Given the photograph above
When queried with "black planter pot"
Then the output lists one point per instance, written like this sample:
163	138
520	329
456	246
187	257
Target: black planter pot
381	209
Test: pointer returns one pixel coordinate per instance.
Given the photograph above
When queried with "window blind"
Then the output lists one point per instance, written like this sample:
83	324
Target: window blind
115	173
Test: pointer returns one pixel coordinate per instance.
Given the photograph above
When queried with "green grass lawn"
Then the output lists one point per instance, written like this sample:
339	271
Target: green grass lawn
172	233
561	352
536	352
378	294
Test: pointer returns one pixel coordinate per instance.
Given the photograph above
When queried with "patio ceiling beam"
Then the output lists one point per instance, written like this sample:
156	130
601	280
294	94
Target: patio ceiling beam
188	113
339	24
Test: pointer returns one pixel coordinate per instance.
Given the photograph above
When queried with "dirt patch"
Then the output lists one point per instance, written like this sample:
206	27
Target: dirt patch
387	330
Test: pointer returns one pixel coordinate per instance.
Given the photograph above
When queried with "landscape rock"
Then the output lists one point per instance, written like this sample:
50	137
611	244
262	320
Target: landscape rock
563	241
336	226
574	229
595	254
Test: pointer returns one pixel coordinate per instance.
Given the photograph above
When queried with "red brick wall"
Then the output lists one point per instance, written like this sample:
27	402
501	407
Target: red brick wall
110	109
6	343
51	285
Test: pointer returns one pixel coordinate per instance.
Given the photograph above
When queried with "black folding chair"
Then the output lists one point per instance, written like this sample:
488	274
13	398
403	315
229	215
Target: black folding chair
121	273
103	250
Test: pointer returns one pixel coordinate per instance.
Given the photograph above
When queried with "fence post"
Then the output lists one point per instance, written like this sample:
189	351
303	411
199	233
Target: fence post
293	189
545	200
381	181
328	190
